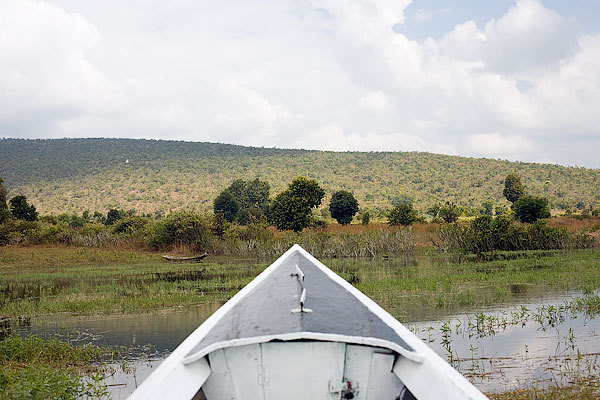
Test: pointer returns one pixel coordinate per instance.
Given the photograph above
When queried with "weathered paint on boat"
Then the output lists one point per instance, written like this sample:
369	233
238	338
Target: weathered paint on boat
299	331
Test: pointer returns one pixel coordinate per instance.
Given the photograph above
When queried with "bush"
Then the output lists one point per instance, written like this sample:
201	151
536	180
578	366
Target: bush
449	212
186	227
250	215
403	214
131	225
486	234
530	209
365	218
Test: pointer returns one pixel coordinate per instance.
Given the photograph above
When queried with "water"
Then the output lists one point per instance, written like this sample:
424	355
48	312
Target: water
497	349
508	350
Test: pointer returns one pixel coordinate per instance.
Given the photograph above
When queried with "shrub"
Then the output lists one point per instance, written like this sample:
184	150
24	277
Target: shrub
486	234
403	214
365	218
449	212
185	227
530	209
130	225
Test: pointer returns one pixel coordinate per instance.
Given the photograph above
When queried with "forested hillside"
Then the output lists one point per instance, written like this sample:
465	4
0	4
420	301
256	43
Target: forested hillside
74	175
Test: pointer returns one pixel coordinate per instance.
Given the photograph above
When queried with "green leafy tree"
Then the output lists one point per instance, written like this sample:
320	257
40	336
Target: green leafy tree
343	206
227	204
291	209
20	209
530	209
449	212
252	198
513	188
403	214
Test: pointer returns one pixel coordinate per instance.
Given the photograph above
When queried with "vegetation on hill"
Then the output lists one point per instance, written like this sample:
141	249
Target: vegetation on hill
76	175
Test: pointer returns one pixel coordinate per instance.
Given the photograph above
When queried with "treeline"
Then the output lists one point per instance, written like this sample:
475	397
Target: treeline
72	175
247	221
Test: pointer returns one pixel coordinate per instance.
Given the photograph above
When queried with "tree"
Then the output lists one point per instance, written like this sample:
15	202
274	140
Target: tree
513	188
226	204
20	209
530	209
252	198
343	206
403	214
291	208
4	212
449	212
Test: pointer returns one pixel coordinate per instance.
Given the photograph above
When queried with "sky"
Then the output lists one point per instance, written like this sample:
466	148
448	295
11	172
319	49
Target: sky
516	80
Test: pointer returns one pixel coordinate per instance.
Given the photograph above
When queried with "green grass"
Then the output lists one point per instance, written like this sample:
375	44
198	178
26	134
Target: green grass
39	280
435	285
36	368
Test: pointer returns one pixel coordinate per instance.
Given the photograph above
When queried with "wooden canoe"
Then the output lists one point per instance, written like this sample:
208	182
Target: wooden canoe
299	331
185	259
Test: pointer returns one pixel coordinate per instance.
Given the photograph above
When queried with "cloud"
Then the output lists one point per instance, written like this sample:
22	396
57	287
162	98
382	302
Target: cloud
323	74
45	75
423	14
375	101
495	144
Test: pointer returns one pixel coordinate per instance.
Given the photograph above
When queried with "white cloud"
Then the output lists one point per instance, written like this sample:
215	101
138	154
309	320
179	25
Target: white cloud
44	72
495	144
376	101
325	74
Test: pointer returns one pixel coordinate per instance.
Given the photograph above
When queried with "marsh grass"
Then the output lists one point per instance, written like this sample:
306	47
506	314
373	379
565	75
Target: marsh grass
35	368
584	389
41	280
400	285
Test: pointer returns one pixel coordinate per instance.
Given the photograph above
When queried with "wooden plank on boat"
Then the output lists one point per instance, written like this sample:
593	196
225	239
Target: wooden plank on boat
185	259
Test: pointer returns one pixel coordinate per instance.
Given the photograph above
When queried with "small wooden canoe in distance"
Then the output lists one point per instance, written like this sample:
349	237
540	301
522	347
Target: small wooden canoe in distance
299	331
186	259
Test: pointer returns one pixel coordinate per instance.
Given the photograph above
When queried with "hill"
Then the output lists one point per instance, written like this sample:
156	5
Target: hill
73	175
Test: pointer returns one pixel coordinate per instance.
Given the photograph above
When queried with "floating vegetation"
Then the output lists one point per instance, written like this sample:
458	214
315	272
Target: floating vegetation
549	344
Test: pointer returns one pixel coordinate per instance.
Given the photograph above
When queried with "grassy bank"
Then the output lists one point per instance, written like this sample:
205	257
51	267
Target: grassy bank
36	368
586	389
40	280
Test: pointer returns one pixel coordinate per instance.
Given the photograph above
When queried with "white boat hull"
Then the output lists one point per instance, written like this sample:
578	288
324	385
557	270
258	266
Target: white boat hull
302	370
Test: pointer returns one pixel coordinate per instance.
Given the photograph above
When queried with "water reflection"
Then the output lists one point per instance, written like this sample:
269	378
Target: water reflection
535	344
